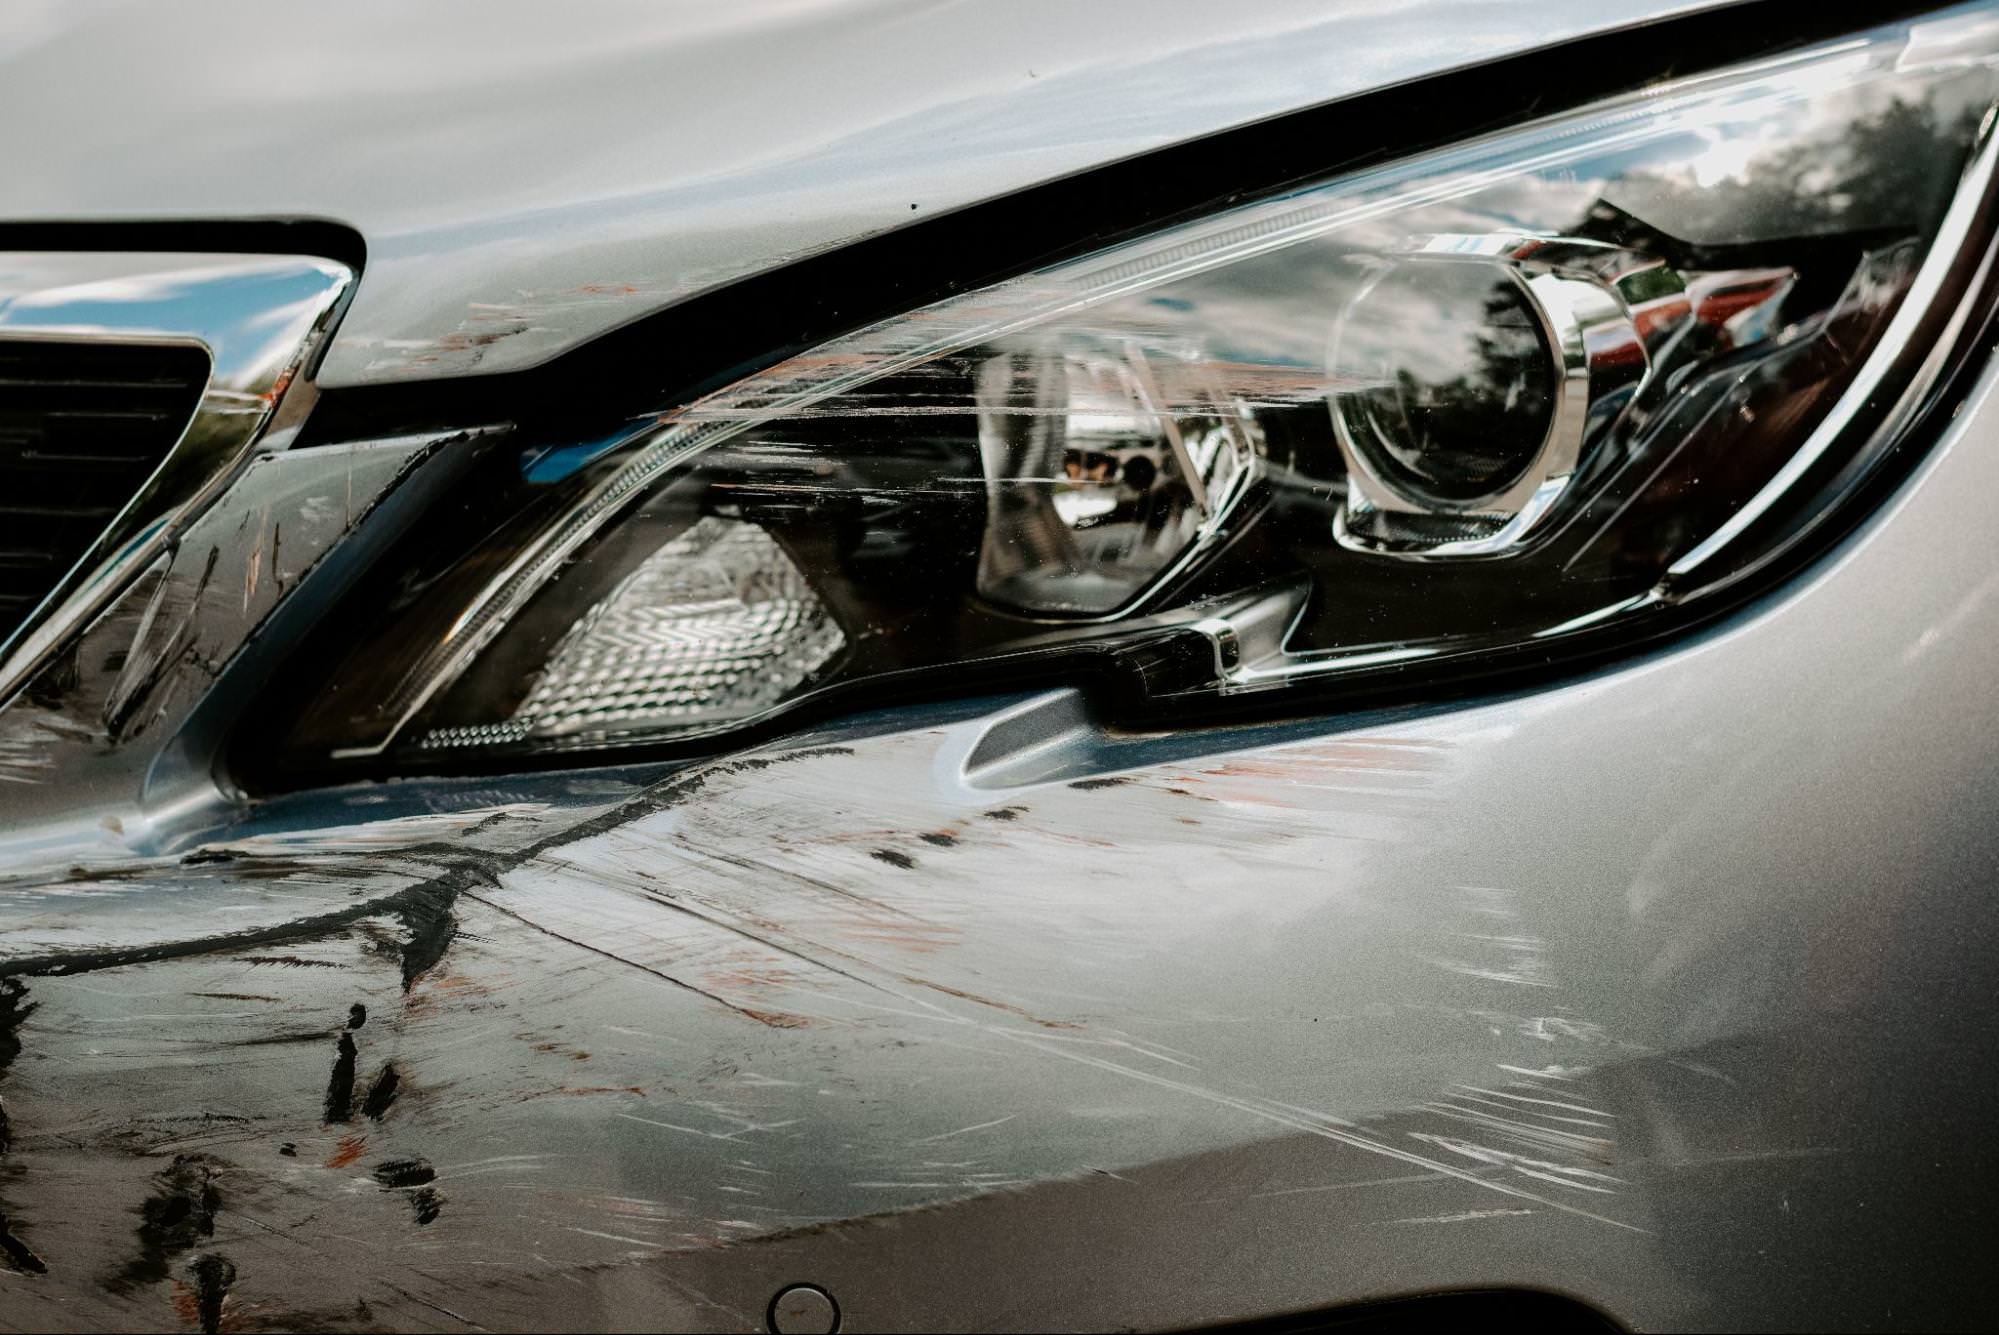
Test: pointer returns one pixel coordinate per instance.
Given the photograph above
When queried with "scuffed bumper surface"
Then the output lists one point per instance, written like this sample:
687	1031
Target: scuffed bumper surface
1663	988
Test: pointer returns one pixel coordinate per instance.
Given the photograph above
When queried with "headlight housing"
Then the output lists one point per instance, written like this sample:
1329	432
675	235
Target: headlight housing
1549	384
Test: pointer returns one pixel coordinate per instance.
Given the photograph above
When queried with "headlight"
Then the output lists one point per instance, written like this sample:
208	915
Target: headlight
1545	385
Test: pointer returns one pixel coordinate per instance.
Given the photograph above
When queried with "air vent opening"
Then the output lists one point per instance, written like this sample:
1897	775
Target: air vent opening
83	425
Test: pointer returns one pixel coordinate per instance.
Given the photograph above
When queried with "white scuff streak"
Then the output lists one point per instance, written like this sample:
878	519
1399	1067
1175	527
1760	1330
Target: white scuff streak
616	1237
1549	1028
1320	1125
1404	1179
1545	1139
1550	1072
394	832
618	882
1581	1179
1517	957
737	1134
1464	1217
966	1130
1522	1098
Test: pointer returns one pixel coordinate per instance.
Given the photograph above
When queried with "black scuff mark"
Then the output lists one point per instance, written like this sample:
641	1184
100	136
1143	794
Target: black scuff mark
426	1203
768	942
340	1085
174	1219
1005	813
761	869
357	1015
274	1040
213	1275
893	858
382	1094
414	1178
289	1149
52	687
940	839
425	907
669	792
297	932
775	1019
497	818
16	1253
235	864
1091	785
431	924
15	1008
411	1172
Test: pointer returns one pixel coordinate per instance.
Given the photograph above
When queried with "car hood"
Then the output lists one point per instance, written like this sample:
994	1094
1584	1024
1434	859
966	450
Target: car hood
528	176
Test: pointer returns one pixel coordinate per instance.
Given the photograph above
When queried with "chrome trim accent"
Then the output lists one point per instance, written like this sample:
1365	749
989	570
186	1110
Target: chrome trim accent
260	317
1914	333
522	577
1575	289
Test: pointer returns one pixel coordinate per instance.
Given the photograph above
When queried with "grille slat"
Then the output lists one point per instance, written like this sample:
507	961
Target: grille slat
82	426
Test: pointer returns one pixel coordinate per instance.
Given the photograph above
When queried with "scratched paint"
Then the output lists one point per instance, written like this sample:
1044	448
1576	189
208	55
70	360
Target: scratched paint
1332	1012
649	1031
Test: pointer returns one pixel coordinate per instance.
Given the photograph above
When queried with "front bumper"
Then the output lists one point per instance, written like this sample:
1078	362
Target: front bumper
1661	988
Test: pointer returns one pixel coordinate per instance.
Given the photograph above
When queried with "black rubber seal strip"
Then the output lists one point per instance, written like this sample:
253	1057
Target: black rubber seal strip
250	236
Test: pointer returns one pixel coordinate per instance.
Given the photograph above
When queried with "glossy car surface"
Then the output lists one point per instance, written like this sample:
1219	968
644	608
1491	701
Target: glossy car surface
1658	984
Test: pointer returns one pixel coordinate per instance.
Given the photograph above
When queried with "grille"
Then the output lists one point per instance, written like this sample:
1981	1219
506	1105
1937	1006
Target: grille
82	426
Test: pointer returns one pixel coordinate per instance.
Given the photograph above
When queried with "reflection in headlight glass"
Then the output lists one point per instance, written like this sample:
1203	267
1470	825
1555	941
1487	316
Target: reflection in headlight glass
1476	398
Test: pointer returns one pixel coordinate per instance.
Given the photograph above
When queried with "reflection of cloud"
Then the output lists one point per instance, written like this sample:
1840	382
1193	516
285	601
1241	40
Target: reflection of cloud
1247	305
251	320
590	161
34	23
1766	160
1726	157
1783	155
1880	151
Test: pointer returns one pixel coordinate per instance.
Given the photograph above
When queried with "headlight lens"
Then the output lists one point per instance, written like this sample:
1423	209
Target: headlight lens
1548	381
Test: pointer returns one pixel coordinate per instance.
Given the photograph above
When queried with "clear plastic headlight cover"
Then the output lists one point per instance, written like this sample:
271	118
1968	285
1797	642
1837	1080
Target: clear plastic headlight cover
1540	385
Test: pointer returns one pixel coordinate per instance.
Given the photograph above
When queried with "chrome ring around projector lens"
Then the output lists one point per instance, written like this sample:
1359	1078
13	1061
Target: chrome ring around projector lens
1450	331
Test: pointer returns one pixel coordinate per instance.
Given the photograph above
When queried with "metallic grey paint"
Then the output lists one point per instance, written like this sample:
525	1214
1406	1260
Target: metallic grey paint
1644	988
1659	987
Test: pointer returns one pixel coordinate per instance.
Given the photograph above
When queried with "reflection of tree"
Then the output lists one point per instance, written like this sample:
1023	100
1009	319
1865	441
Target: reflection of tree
1464	435
1890	171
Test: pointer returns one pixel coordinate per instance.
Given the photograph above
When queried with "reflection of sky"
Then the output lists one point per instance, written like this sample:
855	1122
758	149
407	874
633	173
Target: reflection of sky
1261	307
1798	145
577	163
595	92
251	320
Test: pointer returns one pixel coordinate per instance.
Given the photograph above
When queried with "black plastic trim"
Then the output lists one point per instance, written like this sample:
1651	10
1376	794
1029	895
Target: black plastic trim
244	236
1465	1310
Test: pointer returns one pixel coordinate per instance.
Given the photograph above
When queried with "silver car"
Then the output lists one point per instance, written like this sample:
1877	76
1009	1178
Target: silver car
854	665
